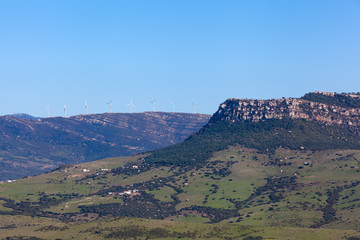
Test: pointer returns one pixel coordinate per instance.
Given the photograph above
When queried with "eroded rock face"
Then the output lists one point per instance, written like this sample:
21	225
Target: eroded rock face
289	108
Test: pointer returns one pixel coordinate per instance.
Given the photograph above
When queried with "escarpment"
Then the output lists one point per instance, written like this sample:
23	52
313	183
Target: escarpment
323	107
317	121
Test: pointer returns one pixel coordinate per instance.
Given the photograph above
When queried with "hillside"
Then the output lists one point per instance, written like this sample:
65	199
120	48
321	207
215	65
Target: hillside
29	147
294	194
289	174
269	124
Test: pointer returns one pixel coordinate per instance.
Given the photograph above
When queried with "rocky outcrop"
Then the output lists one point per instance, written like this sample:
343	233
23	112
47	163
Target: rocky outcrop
291	108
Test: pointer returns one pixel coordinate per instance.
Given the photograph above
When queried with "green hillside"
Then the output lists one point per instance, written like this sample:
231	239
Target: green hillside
240	190
266	136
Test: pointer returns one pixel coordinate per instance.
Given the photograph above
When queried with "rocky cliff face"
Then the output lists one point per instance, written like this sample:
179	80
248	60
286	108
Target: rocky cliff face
323	107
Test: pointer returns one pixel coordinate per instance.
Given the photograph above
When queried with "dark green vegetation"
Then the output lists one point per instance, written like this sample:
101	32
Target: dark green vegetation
33	146
265	136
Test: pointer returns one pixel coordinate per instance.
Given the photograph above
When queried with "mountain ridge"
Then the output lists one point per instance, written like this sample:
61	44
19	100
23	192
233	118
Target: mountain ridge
24	116
35	146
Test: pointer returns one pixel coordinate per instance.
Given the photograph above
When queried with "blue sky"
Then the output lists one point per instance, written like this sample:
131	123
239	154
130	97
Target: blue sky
64	52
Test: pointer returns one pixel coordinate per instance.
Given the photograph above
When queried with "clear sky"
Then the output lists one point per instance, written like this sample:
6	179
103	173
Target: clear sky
66	52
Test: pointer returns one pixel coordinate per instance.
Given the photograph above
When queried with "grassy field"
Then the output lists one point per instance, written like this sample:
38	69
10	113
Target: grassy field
290	194
130	228
62	181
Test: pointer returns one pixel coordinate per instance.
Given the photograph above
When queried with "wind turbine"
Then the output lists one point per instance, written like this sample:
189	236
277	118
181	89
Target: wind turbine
65	111
173	104
48	110
131	106
109	103
86	112
194	107
153	102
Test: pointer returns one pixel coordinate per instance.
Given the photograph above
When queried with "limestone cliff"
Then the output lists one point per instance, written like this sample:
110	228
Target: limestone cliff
323	107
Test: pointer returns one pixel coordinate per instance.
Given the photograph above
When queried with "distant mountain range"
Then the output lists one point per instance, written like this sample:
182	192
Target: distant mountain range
31	145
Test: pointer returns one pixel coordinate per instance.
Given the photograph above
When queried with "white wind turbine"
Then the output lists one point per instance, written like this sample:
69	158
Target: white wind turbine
65	111
109	103
173	105
86	112
194	107
153	103
131	106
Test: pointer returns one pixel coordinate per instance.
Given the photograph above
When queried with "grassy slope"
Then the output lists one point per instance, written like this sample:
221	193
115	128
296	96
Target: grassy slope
140	228
60	181
300	207
265	136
